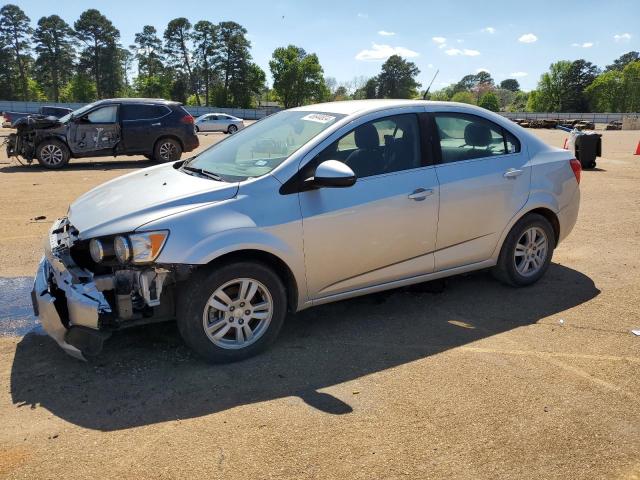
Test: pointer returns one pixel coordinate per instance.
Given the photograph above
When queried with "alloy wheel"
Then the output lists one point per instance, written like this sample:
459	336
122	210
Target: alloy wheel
51	154
167	151
531	251
238	313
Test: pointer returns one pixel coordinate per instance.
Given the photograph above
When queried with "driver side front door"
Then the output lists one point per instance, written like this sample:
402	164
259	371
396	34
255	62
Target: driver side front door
382	228
97	132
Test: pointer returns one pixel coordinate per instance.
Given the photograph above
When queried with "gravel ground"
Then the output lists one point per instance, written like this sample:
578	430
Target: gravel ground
474	381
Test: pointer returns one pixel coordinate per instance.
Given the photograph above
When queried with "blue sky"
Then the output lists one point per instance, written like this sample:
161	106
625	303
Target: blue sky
352	38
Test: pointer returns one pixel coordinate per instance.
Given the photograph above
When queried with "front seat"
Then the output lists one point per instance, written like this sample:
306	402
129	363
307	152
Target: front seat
367	160
479	137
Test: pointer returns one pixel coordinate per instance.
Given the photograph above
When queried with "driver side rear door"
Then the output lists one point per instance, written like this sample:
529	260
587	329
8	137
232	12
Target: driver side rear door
95	133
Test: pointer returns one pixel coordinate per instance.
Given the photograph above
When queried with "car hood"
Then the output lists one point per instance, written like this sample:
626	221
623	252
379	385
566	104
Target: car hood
128	202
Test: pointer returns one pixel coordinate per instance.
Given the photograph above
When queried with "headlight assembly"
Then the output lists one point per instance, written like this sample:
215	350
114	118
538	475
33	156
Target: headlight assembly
140	247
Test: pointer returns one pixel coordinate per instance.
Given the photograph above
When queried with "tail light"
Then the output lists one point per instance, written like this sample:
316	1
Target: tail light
576	167
188	119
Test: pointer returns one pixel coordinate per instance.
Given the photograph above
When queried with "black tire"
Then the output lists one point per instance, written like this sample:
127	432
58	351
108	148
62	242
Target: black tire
196	129
167	150
52	154
506	270
195	294
231	129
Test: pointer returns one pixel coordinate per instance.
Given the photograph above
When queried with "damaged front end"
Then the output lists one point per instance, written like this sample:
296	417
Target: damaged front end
80	302
30	131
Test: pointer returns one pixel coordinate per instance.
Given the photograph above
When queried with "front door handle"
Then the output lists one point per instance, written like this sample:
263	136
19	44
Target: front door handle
513	173
155	124
420	194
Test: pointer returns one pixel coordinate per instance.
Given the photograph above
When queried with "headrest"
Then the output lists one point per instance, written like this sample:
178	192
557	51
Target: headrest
477	134
366	137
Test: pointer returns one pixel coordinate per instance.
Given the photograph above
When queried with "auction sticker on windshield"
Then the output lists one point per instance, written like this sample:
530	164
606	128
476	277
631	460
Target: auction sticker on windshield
318	117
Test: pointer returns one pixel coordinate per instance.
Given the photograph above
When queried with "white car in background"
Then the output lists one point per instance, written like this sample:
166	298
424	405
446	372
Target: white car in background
218	122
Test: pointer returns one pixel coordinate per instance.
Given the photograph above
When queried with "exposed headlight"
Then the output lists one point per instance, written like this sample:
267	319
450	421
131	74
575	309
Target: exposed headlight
140	247
122	247
96	249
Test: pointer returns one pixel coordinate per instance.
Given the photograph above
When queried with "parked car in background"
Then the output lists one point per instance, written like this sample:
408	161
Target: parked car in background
9	118
308	206
158	129
219	122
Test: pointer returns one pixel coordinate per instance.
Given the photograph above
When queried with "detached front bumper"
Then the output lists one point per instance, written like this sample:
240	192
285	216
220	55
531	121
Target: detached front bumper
66	298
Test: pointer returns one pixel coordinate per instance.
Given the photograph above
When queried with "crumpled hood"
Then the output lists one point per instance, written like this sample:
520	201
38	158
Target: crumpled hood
126	203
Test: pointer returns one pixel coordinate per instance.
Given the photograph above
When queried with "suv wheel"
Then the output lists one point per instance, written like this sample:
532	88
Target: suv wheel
232	312
167	150
52	154
526	252
232	129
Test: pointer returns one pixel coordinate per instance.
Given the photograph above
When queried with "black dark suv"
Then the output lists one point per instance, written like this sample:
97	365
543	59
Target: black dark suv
158	129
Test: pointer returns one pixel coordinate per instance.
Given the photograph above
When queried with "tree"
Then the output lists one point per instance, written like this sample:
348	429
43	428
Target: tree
297	76
490	102
177	38
505	97
79	89
100	57
371	88
623	61
148	51
616	91
398	78
484	77
54	46
247	85
464	97
510	84
580	75
15	30
205	39
233	61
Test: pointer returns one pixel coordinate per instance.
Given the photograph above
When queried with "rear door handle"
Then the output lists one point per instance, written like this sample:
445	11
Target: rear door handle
420	194
155	124
513	173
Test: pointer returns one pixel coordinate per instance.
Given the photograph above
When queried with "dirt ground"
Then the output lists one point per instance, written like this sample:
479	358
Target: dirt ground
476	381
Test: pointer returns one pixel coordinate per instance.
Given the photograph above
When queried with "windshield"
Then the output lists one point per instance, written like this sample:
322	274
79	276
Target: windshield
257	150
76	113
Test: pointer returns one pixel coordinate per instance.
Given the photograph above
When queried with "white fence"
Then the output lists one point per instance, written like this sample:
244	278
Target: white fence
246	113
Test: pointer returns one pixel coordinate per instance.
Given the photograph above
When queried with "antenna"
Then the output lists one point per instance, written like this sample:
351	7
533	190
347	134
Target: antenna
426	92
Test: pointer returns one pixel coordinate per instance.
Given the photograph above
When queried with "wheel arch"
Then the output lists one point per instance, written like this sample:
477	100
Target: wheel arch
168	135
54	136
276	263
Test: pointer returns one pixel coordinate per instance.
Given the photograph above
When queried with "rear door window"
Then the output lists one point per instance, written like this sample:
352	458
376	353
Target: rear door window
143	111
467	137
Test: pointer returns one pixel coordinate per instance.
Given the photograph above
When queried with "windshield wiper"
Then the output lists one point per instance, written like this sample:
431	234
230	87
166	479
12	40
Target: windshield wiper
204	173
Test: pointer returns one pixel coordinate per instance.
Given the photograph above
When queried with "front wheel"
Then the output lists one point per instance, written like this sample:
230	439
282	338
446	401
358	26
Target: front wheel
231	312
526	252
52	154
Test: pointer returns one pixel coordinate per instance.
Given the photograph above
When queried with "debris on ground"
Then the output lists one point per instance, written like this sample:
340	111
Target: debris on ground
636	332
39	217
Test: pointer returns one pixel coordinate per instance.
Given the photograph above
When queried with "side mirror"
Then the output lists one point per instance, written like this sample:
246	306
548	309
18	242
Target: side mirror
332	173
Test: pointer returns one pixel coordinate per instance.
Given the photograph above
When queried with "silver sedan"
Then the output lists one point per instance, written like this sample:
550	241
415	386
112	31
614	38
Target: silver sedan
308	206
218	122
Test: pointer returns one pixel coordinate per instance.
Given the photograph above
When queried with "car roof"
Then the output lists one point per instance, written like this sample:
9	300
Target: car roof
352	107
161	101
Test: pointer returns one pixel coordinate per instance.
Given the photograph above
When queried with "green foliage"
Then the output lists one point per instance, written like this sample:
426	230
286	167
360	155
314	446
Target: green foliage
100	56
35	93
234	65
148	52
510	84
14	33
54	45
80	88
622	61
489	101
152	86
616	90
177	44
561	89
398	78
464	97
297	76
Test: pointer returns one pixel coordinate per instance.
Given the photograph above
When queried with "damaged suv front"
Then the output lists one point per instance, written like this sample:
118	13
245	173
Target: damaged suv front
84	290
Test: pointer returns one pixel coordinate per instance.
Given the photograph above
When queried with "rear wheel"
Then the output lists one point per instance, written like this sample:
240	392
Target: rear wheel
52	154
231	129
232	312
526	252
167	150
